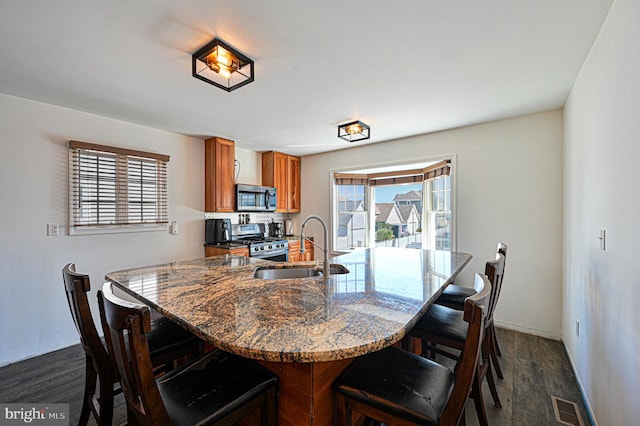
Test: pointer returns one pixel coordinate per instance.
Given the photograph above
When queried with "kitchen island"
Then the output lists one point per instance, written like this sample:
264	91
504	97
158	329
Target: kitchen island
306	330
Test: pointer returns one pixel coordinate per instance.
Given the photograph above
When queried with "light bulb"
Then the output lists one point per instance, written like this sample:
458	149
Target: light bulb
353	129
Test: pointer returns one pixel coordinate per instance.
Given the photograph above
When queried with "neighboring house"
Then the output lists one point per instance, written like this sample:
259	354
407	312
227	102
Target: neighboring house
390	214
352	225
412	197
410	219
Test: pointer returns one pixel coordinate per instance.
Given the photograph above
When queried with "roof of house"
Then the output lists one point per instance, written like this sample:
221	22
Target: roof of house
411	195
386	212
405	211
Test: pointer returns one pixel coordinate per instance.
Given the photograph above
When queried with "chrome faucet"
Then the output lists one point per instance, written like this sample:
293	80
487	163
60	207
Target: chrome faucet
326	267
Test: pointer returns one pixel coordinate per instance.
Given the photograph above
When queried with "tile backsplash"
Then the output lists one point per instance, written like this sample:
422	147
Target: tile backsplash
253	217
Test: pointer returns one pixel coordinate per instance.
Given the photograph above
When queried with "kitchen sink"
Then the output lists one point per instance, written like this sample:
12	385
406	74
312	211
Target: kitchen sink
292	272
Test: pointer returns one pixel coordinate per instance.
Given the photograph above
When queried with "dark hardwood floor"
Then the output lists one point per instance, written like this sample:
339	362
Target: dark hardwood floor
534	368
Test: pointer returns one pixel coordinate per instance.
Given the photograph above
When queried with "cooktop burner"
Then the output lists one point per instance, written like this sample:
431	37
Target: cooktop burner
253	235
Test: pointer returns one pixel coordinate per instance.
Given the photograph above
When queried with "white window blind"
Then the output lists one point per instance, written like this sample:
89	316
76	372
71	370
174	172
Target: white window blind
115	187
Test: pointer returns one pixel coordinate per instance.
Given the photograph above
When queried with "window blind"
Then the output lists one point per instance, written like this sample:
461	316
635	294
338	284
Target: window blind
116	187
442	168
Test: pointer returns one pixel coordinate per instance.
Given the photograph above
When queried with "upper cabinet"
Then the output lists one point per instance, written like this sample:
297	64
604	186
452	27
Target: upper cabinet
282	171
219	182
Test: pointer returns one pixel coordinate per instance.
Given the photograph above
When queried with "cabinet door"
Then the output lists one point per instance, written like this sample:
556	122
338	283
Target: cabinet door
294	251
293	184
309	253
280	181
219	175
217	251
282	171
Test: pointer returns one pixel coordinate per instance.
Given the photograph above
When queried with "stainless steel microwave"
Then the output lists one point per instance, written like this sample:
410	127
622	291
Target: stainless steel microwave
254	198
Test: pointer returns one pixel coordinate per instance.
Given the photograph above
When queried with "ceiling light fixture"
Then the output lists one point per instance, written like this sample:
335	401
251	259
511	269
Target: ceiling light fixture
223	66
353	131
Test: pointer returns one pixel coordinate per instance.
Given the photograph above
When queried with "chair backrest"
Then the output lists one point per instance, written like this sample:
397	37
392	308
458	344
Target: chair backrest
502	249
475	315
77	286
126	325
494	270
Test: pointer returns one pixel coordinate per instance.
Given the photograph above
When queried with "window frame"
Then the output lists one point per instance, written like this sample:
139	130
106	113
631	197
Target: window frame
336	216
402	166
129	170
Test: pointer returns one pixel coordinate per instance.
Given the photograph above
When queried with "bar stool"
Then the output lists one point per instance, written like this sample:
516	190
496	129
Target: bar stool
168	341
453	297
442	326
218	388
398	387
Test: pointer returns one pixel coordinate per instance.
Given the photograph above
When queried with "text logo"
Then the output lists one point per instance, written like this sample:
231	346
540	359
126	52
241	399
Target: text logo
40	414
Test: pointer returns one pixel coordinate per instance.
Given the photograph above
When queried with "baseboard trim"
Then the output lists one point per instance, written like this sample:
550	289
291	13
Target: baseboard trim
527	330
583	395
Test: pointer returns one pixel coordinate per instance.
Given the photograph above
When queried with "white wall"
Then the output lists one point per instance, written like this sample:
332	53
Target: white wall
602	191
34	316
250	163
509	188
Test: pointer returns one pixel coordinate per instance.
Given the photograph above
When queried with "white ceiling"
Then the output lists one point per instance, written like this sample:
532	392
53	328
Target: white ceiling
405	67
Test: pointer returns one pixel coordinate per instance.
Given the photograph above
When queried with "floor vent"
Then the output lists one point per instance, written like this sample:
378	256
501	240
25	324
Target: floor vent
566	412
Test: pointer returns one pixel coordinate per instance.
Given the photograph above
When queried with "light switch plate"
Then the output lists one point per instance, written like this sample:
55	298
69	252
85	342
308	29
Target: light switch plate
603	239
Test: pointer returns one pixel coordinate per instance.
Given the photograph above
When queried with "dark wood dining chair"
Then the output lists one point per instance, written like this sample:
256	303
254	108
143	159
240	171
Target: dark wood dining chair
453	296
401	388
218	388
442	328
168	341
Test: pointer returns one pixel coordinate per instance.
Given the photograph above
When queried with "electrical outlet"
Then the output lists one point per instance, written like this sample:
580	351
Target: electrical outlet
52	229
577	328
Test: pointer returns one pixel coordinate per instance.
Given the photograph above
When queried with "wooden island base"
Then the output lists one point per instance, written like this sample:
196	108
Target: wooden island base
305	391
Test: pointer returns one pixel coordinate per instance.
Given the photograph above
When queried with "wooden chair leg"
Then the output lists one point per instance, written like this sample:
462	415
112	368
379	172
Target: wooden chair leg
106	403
492	387
493	351
89	390
463	418
478	401
495	341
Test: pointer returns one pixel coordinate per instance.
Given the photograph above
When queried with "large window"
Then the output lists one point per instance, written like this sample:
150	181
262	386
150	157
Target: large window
351	212
439	213
113	188
405	207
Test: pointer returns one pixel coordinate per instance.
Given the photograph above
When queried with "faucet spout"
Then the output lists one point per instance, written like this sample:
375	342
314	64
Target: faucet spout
325	249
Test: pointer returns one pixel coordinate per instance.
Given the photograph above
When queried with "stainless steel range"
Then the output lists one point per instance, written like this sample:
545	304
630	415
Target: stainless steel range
260	246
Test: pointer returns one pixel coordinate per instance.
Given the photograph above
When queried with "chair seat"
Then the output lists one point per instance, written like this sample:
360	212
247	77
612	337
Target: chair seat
399	382
211	387
167	337
455	295
444	322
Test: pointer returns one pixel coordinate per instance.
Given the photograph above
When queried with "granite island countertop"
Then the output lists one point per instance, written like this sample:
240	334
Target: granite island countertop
302	319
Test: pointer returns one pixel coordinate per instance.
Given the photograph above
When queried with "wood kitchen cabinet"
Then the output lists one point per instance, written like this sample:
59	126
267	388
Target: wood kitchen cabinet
294	251
282	171
216	251
219	182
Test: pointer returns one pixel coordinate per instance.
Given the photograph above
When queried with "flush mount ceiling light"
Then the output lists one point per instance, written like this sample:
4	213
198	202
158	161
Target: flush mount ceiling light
353	131
223	66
